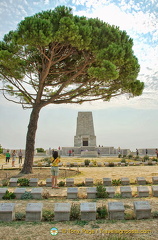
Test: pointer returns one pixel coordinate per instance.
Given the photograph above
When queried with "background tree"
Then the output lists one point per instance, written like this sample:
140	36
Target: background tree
55	57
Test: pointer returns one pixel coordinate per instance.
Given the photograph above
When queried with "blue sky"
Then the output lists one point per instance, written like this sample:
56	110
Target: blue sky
122	122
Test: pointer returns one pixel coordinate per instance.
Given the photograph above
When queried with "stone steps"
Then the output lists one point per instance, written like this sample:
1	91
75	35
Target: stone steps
88	211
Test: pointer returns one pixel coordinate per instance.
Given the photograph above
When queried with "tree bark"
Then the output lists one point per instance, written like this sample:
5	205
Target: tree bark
30	140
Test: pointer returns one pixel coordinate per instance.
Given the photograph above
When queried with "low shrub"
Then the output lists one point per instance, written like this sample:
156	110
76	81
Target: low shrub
20	216
94	162
48	215
46	194
118	195
111	164
130	156
9	195
61	184
86	162
75	211
5	182
102	212
119	155
101	192
146	158
82	184
27	195
155	214
123	160
23	181
116	182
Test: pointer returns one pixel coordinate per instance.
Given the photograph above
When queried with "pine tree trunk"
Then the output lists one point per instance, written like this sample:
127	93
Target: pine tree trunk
30	141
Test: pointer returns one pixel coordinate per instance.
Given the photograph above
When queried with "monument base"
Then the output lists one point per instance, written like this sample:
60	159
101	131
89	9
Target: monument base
89	154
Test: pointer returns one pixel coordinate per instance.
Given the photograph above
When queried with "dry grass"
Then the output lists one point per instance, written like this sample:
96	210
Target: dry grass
21	230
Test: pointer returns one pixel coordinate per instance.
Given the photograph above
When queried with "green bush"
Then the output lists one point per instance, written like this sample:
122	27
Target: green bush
155	214
23	181
86	162
74	211
47	160
5	182
123	160
40	150
130	156
20	216
9	195
102	212
48	215
146	158
118	195
61	184
27	195
116	182
119	155
101	192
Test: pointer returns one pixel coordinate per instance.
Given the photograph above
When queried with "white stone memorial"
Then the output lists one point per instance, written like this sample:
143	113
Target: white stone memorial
62	211
88	211
142	209
69	182
72	193
37	193
91	192
13	182
34	212
143	191
116	210
126	192
89	181
107	182
7	212
19	192
2	192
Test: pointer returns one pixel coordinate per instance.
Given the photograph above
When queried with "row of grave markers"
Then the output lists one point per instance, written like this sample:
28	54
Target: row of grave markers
13	182
88	210
72	192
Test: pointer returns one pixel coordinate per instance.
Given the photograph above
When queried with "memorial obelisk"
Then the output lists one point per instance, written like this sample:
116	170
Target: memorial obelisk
85	136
